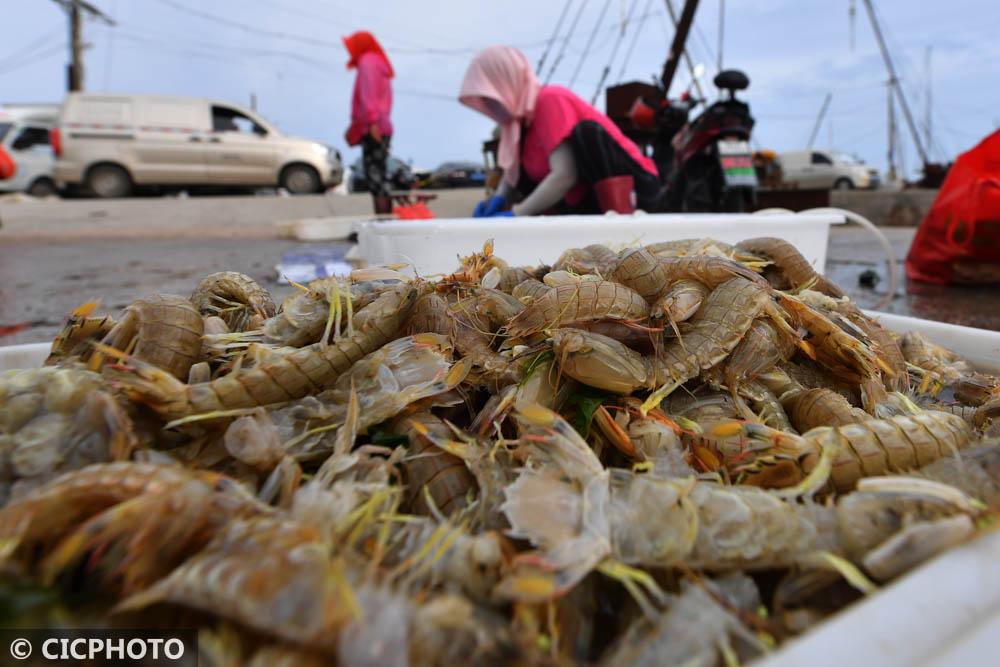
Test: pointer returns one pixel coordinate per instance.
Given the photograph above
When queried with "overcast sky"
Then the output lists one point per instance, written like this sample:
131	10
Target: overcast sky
289	54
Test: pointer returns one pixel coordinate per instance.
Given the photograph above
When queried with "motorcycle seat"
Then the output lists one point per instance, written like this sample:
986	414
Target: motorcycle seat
731	79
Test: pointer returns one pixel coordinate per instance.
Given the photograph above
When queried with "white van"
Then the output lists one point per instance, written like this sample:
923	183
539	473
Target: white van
24	135
827	170
109	143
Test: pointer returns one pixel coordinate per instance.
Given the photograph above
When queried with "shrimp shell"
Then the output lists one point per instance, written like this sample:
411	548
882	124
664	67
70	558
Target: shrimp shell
529	290
234	296
594	258
945	364
272	574
585	301
865	449
790	269
279	377
681	300
716	329
639	270
164	330
74	339
54	420
763	346
50	511
708	270
812	408
446	478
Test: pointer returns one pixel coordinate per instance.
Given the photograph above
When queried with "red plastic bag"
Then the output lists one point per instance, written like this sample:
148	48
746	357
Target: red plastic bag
959	240
7	166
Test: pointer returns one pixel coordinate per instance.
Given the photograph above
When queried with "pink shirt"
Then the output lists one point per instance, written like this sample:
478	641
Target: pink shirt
557	112
372	100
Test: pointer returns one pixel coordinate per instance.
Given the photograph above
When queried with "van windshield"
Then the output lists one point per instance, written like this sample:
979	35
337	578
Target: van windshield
4	129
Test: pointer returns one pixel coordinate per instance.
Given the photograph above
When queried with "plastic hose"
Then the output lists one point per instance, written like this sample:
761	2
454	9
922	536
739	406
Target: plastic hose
890	254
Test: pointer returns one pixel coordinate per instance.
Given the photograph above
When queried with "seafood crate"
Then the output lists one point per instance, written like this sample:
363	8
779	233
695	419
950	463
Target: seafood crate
946	612
431	246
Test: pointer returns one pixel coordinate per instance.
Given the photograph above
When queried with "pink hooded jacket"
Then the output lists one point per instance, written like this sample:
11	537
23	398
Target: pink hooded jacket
501	84
371	103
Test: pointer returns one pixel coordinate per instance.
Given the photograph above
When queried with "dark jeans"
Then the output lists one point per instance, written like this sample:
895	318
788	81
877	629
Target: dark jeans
374	156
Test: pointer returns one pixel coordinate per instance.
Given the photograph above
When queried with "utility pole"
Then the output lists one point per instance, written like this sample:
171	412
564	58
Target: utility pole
894	82
74	11
819	120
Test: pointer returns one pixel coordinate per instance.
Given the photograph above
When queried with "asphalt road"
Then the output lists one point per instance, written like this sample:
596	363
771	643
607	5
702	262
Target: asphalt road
56	255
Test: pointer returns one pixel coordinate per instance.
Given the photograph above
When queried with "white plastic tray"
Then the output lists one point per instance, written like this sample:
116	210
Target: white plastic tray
945	613
433	246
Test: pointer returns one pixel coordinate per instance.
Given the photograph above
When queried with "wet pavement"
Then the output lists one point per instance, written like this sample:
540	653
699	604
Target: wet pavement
853	251
42	281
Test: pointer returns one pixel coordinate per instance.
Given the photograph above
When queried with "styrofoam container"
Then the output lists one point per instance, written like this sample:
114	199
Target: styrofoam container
31	355
433	246
945	613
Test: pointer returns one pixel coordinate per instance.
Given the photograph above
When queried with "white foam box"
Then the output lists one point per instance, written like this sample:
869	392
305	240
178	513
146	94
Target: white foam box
945	613
432	247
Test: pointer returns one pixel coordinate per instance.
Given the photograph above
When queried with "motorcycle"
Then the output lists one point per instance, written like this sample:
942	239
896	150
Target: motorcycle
705	164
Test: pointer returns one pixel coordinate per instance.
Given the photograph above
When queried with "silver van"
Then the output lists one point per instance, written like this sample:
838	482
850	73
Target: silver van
824	170
24	135
107	144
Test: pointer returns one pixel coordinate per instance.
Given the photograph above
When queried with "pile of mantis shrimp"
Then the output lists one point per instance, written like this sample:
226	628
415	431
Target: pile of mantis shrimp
684	453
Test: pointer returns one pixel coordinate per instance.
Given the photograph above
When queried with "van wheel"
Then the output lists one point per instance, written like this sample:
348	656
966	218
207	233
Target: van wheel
843	184
300	179
42	187
108	181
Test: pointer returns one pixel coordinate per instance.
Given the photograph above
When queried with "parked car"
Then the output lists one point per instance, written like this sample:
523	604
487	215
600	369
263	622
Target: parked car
24	135
400	175
457	175
110	144
827	170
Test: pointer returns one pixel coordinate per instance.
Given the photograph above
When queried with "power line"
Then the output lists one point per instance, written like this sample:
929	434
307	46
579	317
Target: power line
614	51
36	58
306	39
314	41
565	44
29	50
172	49
555	34
635	40
590	42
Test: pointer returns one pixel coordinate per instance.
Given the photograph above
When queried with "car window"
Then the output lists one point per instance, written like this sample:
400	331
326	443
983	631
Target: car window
31	136
819	158
4	129
225	119
844	158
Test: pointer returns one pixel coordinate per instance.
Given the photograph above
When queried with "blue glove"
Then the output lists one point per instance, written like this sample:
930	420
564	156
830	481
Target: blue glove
489	207
503	214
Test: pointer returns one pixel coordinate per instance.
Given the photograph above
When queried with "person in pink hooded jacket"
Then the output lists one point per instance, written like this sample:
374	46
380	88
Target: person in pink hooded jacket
558	153
371	105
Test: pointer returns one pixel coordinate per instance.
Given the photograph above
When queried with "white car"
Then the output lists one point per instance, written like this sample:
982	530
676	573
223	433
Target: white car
24	135
109	144
825	170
